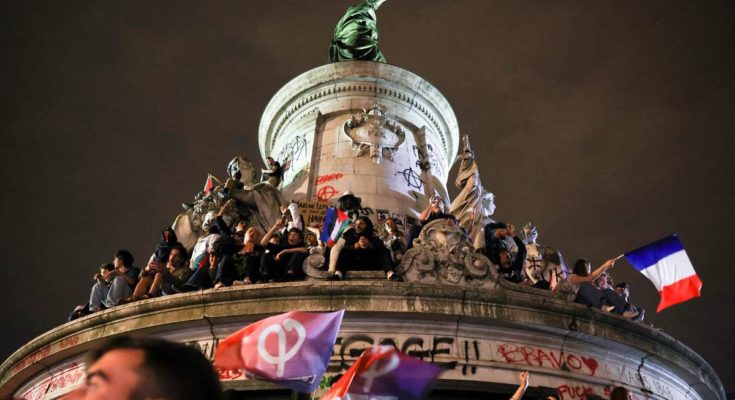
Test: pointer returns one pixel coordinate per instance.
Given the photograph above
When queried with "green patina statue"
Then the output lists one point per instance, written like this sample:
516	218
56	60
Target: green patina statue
356	34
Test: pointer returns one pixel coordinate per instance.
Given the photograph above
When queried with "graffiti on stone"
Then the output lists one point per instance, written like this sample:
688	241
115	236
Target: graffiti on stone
537	357
328	178
56	384
413	180
326	193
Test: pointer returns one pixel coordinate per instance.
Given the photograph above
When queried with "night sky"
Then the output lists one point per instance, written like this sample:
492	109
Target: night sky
608	124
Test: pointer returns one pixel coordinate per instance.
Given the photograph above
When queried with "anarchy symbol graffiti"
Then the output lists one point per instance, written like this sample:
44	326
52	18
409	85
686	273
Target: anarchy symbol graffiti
412	178
326	192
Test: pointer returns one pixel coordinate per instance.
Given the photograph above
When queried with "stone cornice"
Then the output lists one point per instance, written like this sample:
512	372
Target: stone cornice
510	305
358	79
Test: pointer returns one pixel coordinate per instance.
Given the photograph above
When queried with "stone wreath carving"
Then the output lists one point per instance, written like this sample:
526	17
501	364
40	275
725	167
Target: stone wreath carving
374	133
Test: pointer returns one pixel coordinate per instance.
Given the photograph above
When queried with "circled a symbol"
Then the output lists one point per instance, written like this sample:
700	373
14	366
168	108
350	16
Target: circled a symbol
326	192
412	178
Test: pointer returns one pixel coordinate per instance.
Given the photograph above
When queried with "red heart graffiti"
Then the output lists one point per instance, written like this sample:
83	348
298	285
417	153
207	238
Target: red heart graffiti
591	363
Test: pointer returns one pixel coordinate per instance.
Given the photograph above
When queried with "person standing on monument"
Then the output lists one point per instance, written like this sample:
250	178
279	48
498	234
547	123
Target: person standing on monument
274	173
435	210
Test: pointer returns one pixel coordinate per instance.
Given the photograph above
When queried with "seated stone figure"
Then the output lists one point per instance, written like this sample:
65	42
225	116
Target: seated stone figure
121	280
360	249
255	204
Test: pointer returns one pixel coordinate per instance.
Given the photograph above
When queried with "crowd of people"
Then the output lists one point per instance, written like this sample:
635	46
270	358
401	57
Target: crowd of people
240	255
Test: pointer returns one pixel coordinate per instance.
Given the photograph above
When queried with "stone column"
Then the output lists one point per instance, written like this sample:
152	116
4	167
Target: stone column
358	126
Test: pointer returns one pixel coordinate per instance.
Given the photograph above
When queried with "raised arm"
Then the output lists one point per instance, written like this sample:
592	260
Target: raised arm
523	378
267	236
576	279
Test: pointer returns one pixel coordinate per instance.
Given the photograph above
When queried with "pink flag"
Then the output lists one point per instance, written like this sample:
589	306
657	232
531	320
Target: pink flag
384	371
291	349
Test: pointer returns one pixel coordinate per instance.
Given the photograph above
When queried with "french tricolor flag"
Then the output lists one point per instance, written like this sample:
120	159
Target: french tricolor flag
665	263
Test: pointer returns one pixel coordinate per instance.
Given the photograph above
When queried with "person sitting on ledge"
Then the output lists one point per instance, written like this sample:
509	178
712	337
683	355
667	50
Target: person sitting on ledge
203	277
168	242
360	249
122	281
175	273
283	261
395	241
250	254
226	270
214	226
607	300
102	280
435	210
623	290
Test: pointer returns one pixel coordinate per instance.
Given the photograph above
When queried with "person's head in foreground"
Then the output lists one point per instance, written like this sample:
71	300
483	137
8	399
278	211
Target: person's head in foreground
128	368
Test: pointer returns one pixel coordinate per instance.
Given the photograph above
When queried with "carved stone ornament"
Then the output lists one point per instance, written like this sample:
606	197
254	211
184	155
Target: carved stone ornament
373	133
443	254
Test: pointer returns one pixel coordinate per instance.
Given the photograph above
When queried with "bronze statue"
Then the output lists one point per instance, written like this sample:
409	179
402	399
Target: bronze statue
356	34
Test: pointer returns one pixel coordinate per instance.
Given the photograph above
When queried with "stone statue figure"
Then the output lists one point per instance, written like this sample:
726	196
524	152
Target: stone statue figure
473	206
356	34
256	204
544	266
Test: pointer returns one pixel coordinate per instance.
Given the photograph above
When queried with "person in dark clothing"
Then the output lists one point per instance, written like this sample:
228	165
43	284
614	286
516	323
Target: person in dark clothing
435	210
360	249
510	265
226	272
283	261
250	255
607	300
496	249
274	173
168	242
203	277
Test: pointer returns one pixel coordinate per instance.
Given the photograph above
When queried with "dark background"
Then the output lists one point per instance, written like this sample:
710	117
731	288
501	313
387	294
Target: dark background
608	124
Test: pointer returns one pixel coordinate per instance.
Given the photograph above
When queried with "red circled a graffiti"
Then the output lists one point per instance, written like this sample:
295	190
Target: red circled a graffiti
326	192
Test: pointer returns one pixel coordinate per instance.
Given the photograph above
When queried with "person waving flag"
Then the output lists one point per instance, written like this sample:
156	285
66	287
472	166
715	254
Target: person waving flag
291	349
665	263
384	372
